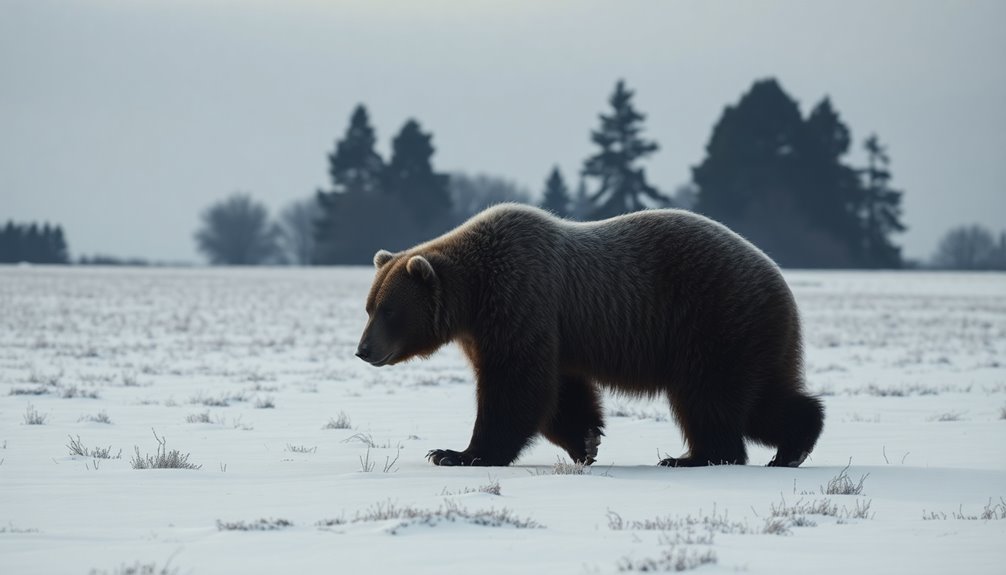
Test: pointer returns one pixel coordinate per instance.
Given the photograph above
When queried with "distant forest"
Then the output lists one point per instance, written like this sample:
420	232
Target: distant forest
43	244
775	175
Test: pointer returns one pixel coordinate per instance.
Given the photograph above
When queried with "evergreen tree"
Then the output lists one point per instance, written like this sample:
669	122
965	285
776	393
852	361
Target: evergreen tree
880	209
58	247
32	243
32	250
782	181
581	202
356	171
556	197
411	179
622	185
355	166
830	189
750	154
9	237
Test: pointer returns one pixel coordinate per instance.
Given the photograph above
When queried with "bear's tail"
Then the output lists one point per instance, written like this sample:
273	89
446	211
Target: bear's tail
791	421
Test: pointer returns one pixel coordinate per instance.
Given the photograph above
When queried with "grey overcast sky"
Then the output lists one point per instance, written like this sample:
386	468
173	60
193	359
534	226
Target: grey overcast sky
121	120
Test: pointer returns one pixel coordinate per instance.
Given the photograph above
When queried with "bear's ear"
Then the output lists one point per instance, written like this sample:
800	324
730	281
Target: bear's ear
382	257
421	268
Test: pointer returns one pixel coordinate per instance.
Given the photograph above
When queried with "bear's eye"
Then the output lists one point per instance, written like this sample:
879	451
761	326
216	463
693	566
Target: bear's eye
387	312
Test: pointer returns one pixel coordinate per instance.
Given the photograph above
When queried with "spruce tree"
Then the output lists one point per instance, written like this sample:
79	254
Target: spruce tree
357	172
556	197
830	188
750	155
354	166
32	250
410	177
880	209
780	180
622	184
10	237
581	201
58	253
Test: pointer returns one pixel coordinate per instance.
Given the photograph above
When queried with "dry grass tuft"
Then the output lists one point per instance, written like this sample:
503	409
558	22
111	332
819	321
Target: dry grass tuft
712	523
203	417
991	512
341	422
33	417
164	459
673	557
77	449
265	403
492	488
139	569
449	512
259	525
300	448
100	417
842	484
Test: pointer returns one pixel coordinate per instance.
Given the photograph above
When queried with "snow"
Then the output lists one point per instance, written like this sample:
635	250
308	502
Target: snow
912	367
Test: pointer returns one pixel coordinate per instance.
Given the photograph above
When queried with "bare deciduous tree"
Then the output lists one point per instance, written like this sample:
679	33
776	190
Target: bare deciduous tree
971	248
472	194
297	224
237	231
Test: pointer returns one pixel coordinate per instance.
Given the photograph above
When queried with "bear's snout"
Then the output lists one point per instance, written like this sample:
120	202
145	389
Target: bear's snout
363	352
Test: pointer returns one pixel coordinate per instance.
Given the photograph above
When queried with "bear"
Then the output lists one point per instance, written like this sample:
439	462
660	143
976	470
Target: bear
660	302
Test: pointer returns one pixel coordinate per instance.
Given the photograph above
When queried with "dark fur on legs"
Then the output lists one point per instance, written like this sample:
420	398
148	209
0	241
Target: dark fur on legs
577	422
712	431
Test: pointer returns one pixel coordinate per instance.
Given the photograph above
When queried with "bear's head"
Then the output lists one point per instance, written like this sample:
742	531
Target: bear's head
403	308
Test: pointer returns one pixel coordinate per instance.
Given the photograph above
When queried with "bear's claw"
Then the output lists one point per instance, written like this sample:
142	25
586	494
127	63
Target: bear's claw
781	462
451	458
592	440
444	457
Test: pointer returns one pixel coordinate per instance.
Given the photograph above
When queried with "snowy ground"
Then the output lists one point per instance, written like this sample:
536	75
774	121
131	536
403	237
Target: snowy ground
912	367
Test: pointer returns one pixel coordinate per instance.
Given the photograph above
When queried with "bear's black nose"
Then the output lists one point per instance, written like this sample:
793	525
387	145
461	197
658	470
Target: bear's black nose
363	352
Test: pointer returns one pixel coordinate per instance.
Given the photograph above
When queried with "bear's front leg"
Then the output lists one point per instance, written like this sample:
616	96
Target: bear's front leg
514	397
577	422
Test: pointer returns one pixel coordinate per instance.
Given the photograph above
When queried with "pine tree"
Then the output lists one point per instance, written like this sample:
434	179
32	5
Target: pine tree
750	154
10	237
354	166
623	185
556	197
781	180
411	179
356	171
58	253
581	202
829	188
880	210
31	250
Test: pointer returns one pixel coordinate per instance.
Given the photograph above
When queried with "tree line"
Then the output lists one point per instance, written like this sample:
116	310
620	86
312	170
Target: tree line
776	176
33	243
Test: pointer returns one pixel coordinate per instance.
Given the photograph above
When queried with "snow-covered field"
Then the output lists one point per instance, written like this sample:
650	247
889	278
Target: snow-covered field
249	371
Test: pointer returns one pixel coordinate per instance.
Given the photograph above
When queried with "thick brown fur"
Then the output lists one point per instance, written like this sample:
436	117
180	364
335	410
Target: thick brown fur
655	303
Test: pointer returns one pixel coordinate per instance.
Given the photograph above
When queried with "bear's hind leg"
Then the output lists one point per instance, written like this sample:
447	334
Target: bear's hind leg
714	434
576	423
789	420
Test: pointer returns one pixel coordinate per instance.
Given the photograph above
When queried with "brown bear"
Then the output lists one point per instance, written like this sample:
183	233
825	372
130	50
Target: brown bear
658	302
